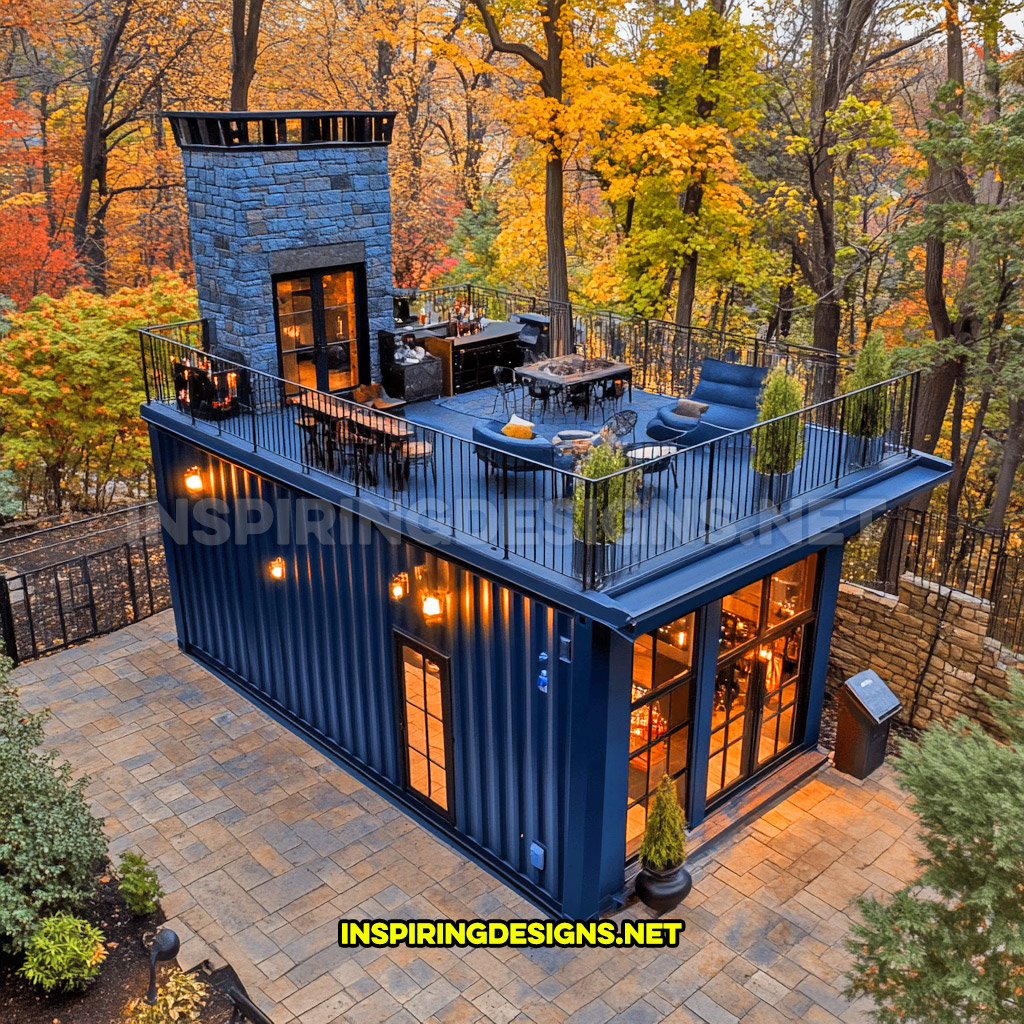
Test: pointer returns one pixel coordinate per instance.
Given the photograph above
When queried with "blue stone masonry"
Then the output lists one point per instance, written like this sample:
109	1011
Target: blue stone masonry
254	213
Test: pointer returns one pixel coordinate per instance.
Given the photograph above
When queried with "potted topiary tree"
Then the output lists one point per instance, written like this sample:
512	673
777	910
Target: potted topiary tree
779	444
866	413
599	508
663	882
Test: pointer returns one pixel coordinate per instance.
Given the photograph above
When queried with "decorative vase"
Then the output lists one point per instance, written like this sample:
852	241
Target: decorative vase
663	890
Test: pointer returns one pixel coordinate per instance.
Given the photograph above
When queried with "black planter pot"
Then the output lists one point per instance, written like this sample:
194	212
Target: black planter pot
596	560
772	489
863	451
664	890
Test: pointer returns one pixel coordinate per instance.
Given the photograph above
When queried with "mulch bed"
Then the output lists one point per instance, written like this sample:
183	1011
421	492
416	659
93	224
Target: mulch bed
124	975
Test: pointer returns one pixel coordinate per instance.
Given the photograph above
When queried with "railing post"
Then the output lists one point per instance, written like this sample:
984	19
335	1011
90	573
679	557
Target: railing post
145	370
7	631
707	500
915	394
842	439
586	552
504	502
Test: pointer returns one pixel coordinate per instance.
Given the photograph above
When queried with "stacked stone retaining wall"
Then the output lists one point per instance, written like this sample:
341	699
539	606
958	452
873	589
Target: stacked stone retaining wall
926	629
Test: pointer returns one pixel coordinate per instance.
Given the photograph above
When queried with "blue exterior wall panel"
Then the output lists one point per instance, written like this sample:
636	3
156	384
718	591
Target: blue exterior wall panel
317	648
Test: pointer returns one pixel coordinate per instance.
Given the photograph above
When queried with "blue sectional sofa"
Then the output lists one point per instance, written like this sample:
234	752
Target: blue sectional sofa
513	454
730	391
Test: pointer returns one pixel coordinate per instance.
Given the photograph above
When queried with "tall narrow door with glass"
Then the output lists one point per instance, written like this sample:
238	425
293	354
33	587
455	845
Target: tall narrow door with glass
424	696
318	328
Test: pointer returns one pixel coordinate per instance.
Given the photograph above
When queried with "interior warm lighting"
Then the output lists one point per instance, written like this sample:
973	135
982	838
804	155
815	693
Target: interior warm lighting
431	608
681	638
193	480
764	653
277	569
399	585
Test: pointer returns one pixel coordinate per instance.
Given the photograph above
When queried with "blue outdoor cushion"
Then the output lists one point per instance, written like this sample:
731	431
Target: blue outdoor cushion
534	449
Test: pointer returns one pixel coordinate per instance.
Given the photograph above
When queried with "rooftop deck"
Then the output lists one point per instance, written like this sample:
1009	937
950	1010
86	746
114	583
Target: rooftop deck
700	498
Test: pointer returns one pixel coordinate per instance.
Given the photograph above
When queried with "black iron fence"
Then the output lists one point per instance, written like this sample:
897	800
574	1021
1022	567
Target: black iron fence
64	584
665	356
517	504
949	552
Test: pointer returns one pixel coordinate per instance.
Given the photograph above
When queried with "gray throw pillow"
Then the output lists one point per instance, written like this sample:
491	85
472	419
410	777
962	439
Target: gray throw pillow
687	407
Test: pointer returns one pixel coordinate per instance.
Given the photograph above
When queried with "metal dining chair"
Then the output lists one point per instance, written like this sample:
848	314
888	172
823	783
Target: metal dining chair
505	387
539	393
621	424
577	398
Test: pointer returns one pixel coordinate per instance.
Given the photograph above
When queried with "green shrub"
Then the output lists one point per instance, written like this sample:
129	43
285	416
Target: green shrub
139	884
599	509
947	948
778	446
664	842
63	953
867	415
50	843
179	1000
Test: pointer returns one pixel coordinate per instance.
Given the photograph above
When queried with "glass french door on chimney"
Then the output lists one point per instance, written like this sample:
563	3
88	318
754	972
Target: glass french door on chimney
319	314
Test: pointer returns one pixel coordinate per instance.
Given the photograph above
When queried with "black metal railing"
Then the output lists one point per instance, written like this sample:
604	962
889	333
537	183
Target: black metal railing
278	129
949	552
665	356
67	583
516	506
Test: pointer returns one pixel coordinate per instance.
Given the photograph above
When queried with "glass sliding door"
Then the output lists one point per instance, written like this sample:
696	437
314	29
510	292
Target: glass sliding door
320	327
425	702
765	640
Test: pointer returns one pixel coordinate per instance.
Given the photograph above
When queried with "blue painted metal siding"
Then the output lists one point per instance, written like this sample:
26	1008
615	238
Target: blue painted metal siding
318	647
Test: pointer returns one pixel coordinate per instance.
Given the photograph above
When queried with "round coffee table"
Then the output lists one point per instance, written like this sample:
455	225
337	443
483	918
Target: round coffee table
573	442
654	458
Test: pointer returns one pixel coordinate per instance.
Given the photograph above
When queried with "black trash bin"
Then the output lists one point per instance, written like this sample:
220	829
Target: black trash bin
866	709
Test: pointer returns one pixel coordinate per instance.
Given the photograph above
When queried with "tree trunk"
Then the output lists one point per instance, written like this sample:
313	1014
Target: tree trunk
944	184
89	231
693	197
1013	455
245	37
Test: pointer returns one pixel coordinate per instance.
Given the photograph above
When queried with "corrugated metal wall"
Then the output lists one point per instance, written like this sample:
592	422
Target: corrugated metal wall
318	646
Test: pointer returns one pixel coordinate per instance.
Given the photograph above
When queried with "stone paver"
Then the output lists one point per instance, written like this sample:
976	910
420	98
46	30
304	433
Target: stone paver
262	844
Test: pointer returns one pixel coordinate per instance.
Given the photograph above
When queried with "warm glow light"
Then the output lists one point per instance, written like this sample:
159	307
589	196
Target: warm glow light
399	585
764	653
277	569
431	607
193	480
681	638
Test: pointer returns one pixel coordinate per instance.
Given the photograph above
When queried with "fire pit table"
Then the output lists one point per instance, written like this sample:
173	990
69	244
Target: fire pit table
575	372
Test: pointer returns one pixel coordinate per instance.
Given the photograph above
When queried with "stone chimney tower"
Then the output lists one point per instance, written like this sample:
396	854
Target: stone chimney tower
290	217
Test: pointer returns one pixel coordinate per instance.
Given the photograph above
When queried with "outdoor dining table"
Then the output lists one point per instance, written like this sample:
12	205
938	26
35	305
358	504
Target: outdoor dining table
387	432
562	372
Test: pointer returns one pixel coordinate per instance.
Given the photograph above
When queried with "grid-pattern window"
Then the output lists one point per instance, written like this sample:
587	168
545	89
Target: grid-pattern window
660	719
424	698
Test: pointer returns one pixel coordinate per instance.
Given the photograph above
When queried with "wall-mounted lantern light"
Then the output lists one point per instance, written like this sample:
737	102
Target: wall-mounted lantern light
193	480
431	605
399	585
277	569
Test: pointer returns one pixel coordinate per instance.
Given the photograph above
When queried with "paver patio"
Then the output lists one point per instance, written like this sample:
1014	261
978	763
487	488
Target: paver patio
262	844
